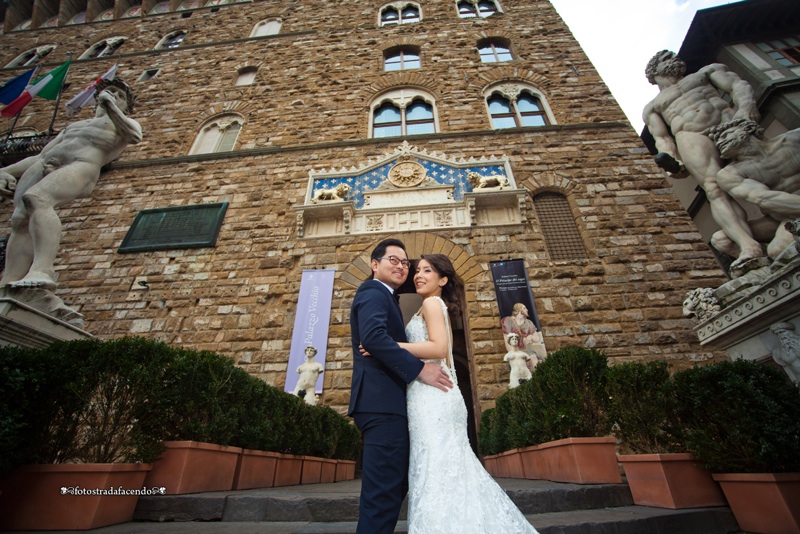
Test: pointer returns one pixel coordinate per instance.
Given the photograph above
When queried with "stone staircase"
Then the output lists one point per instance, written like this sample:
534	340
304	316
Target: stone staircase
553	508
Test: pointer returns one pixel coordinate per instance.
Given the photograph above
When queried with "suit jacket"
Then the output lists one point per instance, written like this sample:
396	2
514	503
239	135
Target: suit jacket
379	380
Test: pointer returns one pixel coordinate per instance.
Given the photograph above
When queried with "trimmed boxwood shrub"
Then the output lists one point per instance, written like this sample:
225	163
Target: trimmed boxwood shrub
117	401
564	398
643	406
740	417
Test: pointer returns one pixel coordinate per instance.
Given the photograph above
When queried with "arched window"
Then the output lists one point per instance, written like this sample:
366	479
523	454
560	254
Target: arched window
399	13
403	112
266	27
401	58
52	22
218	135
561	234
495	50
104	48
247	76
514	108
31	57
172	40
477	8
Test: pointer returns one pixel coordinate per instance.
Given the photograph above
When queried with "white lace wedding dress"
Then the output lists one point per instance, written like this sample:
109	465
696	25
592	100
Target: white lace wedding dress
449	490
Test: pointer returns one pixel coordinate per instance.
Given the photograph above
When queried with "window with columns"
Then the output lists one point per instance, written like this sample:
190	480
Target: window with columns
218	135
515	105
400	13
104	48
474	8
403	112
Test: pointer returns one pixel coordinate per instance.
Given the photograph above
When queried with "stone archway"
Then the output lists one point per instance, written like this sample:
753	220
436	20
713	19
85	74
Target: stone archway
418	243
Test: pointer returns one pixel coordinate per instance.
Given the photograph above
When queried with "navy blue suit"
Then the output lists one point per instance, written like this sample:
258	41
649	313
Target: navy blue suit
378	404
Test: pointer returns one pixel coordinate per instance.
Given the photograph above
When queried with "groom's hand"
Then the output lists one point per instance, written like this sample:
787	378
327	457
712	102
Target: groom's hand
434	375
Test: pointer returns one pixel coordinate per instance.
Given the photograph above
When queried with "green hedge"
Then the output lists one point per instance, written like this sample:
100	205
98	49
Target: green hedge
118	400
732	416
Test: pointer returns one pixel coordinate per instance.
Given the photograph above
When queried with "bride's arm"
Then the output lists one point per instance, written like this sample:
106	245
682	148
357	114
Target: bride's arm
436	346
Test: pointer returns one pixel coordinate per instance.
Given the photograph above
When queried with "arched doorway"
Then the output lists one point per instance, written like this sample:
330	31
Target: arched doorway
410	303
418	243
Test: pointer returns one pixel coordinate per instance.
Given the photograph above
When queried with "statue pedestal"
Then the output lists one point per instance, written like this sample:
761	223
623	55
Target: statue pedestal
749	309
22	325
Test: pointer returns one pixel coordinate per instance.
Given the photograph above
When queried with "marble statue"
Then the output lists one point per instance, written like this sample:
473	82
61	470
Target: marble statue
518	361
66	169
333	193
685	107
494	182
763	172
787	355
309	372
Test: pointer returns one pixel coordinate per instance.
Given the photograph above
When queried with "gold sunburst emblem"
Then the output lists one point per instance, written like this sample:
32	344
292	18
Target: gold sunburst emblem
407	174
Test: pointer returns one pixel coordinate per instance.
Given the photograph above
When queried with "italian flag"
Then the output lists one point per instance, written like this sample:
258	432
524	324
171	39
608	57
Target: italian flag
48	87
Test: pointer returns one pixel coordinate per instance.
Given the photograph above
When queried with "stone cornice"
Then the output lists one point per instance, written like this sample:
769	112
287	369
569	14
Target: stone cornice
255	152
777	299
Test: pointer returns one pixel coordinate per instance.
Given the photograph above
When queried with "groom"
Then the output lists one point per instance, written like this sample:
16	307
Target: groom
378	395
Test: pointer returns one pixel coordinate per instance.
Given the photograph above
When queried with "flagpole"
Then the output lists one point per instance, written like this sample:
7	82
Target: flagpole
16	117
60	89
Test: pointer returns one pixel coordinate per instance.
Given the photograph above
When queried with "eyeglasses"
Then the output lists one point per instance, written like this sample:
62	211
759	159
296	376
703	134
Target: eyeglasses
394	260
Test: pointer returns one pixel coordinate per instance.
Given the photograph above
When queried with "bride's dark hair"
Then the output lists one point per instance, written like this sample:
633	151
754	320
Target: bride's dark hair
453	289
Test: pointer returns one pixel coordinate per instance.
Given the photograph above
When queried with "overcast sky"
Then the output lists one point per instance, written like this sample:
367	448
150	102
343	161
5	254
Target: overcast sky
620	37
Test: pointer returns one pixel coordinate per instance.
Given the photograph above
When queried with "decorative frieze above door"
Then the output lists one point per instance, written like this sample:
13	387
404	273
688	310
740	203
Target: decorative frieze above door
409	190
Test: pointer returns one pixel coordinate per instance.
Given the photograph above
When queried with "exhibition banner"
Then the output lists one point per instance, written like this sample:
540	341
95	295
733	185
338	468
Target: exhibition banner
515	302
310	324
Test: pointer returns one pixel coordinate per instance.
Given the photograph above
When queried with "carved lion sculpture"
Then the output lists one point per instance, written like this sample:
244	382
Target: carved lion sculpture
494	181
701	303
332	193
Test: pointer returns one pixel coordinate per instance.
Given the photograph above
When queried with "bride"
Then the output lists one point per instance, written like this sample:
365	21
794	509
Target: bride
449	490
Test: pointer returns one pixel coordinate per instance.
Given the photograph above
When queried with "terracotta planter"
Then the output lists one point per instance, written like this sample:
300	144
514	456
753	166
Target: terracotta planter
311	470
193	467
255	469
514	463
32	497
580	461
767	503
501	466
288	470
345	470
490	464
531	463
670	481
328	473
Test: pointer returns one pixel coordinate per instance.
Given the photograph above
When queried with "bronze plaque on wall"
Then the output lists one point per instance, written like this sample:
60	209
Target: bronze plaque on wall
170	228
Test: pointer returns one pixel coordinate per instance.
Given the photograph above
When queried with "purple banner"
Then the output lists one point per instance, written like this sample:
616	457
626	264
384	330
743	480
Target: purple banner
310	324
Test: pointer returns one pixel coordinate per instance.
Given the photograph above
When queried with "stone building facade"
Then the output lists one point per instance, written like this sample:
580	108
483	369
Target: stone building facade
301	107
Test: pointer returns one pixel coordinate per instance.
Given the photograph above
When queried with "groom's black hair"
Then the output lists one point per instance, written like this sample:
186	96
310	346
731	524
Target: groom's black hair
380	250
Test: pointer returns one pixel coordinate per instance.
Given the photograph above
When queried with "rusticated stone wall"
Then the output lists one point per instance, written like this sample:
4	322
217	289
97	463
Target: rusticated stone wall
308	111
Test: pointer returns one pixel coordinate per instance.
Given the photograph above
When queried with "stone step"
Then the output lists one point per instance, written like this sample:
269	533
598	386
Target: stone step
339	502
552	508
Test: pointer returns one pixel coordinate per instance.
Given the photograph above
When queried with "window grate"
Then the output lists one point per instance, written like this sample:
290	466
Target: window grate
561	234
